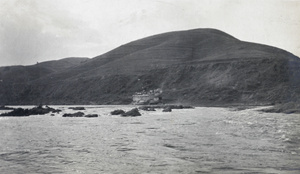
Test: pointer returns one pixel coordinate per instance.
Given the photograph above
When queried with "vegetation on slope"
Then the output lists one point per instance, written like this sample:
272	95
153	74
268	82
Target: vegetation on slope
201	66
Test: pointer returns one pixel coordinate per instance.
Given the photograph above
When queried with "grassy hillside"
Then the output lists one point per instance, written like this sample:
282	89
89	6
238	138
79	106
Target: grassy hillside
202	66
14	78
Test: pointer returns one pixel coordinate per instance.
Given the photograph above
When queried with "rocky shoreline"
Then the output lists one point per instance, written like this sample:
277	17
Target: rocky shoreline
42	110
286	108
39	110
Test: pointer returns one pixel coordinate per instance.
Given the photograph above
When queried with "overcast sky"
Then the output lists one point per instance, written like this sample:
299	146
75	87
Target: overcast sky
38	30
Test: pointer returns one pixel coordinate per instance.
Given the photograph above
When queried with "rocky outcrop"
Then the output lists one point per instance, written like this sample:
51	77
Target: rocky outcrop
40	110
117	112
132	113
76	114
20	112
91	115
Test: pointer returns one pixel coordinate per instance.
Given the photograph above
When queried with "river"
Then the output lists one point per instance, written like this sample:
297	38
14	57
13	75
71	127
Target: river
200	140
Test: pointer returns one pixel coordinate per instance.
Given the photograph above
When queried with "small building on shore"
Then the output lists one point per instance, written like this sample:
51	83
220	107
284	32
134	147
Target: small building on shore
150	97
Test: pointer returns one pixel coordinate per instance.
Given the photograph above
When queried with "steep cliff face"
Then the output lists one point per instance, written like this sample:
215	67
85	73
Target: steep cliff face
202	66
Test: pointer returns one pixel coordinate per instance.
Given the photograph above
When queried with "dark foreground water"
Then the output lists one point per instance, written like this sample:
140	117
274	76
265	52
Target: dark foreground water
201	140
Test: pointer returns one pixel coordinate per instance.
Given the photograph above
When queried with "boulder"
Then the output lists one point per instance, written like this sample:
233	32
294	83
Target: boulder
76	114
132	113
91	115
117	112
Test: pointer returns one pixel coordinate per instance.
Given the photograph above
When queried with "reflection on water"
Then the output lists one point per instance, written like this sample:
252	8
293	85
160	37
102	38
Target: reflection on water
201	140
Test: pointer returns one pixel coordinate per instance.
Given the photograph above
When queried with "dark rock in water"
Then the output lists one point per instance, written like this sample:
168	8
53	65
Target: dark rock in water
5	108
77	108
117	112
167	109
132	113
153	107
52	110
91	115
56	111
20	112
180	107
77	114
34	111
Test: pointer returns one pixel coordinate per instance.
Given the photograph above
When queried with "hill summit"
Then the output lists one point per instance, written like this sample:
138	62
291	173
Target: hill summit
199	67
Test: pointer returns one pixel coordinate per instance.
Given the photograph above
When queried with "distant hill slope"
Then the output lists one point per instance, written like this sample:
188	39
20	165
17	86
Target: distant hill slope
200	67
11	77
17	74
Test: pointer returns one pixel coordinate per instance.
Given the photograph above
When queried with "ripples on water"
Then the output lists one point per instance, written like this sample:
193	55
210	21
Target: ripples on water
201	140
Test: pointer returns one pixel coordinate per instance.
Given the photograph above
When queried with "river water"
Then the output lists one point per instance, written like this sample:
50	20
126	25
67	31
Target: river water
200	140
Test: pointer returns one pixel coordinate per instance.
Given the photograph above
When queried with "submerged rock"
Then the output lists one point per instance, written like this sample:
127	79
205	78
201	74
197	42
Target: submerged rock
91	115
132	113
76	114
117	112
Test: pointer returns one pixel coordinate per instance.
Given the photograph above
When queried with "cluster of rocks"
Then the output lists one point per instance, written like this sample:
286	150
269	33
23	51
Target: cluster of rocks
165	108
80	114
135	112
132	113
39	110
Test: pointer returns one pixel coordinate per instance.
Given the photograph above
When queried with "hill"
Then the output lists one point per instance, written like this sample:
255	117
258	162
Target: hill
12	78
200	67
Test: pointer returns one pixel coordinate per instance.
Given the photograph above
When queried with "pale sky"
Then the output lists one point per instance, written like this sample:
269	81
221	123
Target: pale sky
38	30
